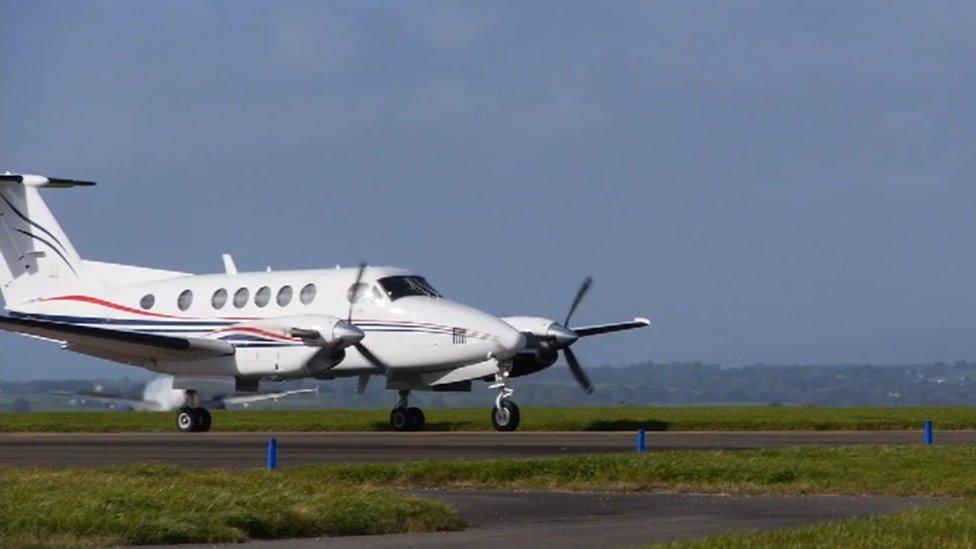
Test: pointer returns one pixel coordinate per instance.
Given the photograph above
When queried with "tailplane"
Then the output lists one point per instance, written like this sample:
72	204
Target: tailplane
38	259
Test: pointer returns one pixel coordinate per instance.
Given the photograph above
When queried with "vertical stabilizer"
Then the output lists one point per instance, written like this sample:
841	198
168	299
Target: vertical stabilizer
38	258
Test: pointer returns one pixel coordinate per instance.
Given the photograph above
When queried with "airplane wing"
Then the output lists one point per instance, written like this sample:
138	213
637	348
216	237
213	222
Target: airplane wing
130	347
139	405
248	399
607	328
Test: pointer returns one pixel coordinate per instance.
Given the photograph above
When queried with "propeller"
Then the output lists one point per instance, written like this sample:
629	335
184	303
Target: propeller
577	370
354	289
583	289
565	337
353	297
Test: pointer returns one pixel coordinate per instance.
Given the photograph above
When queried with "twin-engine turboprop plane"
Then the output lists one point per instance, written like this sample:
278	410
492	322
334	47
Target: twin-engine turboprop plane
227	332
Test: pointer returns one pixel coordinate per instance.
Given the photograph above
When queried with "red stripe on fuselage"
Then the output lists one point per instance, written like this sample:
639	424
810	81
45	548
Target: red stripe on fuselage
109	304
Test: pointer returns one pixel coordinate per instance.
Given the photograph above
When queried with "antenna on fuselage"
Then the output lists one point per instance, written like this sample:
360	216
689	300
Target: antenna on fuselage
229	266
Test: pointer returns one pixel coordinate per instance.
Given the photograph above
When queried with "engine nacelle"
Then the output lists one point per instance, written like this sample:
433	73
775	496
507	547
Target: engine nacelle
534	325
312	330
539	352
323	338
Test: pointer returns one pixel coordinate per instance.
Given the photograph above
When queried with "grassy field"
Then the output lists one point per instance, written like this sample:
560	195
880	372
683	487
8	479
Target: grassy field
895	470
141	505
533	419
950	526
157	504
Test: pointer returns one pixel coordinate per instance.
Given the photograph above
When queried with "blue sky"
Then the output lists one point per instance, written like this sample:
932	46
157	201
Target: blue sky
781	182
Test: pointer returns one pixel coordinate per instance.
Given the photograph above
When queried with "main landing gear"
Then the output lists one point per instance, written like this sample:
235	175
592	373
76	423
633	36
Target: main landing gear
192	417
405	418
505	415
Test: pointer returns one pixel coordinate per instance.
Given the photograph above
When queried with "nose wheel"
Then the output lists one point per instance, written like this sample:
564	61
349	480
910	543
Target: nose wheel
193	418
505	415
406	418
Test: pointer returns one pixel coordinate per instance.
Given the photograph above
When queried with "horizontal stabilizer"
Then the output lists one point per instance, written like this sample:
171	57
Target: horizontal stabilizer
42	181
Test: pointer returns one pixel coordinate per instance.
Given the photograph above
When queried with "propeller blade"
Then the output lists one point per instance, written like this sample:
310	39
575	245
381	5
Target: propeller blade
355	289
577	370
371	358
585	287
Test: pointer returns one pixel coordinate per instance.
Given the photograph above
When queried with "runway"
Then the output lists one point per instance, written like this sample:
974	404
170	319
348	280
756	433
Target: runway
248	449
588	519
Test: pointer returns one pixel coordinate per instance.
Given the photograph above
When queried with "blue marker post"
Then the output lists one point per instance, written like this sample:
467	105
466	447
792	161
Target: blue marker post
272	454
928	433
641	442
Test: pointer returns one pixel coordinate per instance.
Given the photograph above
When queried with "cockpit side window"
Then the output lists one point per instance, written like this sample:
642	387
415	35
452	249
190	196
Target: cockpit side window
403	286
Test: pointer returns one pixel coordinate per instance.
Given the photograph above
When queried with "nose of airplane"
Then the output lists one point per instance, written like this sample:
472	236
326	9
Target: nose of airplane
493	335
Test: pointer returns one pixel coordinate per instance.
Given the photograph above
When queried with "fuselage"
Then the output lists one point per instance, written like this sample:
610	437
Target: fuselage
407	325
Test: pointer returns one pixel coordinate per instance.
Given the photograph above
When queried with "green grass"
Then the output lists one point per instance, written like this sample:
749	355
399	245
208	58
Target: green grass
156	504
153	504
739	418
949	526
896	470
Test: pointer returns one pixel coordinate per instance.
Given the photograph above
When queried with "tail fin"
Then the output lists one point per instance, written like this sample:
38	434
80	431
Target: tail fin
38	258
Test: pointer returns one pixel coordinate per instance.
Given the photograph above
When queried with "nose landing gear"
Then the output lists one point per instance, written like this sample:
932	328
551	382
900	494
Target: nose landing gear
505	415
193	418
406	418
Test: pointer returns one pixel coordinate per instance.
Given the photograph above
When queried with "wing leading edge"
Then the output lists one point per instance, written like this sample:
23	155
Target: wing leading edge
584	331
131	347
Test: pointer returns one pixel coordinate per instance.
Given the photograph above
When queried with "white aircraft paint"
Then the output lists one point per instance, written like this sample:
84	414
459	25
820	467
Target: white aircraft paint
228	331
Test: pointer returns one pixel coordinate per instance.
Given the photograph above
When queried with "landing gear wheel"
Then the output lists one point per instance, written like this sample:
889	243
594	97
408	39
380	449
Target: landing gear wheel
400	419
204	417
192	420
186	420
416	419
506	417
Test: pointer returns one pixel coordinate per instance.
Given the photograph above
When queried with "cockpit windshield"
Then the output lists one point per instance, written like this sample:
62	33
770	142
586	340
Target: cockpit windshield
402	286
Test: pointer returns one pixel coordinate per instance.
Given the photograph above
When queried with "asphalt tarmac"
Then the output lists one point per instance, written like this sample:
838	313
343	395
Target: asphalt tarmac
249	449
585	519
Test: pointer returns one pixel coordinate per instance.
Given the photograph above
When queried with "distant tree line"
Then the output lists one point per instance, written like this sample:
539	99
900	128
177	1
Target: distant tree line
648	383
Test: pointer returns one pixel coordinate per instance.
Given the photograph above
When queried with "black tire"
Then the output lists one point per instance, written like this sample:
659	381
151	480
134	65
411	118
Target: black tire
507	417
416	418
205	420
400	419
187	420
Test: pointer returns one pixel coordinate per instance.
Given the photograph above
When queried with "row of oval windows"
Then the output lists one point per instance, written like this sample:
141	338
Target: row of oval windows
261	297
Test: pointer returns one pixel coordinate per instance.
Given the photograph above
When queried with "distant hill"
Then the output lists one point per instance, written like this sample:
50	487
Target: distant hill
646	383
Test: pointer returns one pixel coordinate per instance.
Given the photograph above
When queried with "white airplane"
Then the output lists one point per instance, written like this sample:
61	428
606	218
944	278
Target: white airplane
158	395
227	332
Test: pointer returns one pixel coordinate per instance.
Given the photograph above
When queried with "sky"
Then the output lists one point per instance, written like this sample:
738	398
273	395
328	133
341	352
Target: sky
770	182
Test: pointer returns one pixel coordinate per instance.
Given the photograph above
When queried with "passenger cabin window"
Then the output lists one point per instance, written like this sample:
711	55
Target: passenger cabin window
240	297
403	286
262	296
307	294
219	299
147	301
184	300
284	296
